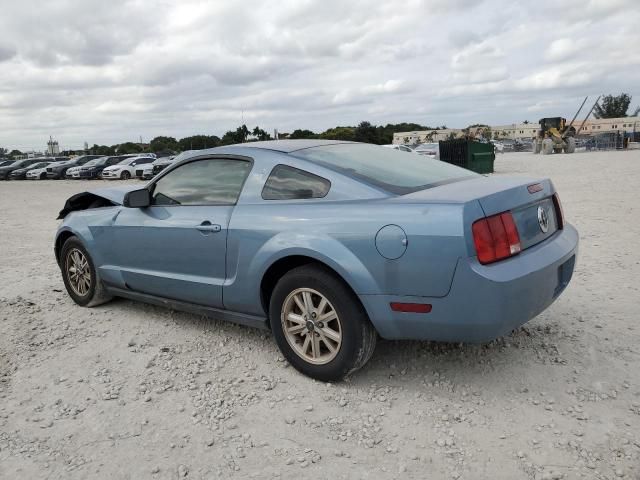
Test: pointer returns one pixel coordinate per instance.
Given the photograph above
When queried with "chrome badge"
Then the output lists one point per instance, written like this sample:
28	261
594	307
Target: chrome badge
543	220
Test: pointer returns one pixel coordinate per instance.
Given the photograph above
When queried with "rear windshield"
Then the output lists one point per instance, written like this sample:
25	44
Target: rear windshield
391	170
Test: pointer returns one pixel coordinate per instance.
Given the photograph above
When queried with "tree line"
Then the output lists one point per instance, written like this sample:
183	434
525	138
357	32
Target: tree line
611	106
363	132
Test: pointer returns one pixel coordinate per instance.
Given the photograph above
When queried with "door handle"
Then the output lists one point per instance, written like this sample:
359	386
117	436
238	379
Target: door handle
208	227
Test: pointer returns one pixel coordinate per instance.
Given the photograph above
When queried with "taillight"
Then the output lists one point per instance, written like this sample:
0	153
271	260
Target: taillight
559	212
496	237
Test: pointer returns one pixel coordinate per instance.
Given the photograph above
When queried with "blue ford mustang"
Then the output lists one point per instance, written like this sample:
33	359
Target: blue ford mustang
329	244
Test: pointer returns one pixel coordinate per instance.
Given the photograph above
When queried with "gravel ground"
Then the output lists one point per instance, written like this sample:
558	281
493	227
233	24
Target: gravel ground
127	390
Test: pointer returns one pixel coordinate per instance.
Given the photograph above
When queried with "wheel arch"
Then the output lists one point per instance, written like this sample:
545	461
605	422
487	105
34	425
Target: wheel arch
62	237
283	265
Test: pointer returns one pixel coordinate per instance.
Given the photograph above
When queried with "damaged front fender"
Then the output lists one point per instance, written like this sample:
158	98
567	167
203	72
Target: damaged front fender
102	197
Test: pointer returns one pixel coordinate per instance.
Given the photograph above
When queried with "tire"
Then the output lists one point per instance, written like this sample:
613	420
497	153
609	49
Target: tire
86	296
357	336
43	176
571	145
547	146
125	175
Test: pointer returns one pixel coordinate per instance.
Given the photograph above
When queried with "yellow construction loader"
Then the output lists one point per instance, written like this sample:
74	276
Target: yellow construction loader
555	136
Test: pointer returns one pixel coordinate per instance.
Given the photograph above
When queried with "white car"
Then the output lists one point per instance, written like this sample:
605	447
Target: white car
73	172
126	168
402	148
144	172
431	150
37	174
498	146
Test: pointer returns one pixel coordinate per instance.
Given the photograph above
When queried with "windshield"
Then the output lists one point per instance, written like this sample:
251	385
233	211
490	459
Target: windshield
5	163
391	170
39	165
95	161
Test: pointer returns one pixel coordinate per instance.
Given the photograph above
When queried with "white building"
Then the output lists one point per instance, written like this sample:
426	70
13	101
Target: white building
515	131
425	136
522	130
608	125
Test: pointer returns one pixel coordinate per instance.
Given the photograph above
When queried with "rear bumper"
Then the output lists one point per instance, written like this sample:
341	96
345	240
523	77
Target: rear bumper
485	301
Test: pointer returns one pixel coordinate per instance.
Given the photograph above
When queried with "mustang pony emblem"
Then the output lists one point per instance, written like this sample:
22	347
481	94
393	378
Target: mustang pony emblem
543	220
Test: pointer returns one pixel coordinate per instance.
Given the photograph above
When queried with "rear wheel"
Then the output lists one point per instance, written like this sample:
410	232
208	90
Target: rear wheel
319	324
125	175
80	276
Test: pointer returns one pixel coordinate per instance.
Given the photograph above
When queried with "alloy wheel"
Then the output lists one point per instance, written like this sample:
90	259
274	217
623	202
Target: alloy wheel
78	272
311	326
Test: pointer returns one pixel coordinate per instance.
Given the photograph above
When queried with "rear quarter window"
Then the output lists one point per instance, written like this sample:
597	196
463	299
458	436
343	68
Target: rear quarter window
290	183
391	170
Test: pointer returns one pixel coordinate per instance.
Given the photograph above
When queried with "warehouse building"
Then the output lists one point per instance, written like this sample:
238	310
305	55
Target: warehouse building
519	131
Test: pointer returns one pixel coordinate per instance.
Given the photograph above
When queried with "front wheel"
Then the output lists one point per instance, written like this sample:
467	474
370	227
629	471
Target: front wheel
320	325
80	276
570	145
125	175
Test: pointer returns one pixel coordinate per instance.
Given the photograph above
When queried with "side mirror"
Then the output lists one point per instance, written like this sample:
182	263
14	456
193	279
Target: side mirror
137	198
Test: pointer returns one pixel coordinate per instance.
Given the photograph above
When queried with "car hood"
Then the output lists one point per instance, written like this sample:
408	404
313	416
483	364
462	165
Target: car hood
114	194
81	201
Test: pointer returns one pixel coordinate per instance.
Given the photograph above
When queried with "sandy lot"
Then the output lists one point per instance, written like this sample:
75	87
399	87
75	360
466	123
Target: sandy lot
127	390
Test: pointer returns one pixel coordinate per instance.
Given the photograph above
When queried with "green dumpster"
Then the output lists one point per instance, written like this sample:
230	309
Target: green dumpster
475	156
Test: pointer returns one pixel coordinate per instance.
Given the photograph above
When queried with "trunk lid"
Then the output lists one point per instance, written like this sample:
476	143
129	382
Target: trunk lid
533	211
497	194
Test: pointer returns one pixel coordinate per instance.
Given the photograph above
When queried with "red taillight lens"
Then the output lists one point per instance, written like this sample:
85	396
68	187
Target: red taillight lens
496	237
559	212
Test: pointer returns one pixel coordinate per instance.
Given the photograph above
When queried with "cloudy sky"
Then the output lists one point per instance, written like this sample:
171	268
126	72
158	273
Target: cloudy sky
112	71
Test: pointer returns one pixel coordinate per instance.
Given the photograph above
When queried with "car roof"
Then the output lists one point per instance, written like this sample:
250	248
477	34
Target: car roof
287	146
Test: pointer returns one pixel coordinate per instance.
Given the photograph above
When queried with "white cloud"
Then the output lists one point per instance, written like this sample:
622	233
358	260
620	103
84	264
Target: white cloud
107	72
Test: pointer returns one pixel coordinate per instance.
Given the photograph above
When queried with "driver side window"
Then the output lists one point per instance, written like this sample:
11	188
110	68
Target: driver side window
202	182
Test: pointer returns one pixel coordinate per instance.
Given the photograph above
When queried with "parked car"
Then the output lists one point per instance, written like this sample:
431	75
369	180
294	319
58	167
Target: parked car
145	172
126	168
4	163
93	168
37	173
5	171
21	173
431	150
59	169
402	148
498	147
164	162
329	244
